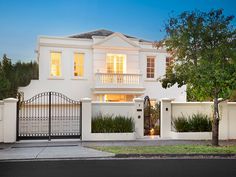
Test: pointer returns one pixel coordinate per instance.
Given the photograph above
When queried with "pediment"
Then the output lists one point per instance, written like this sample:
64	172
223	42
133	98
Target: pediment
116	40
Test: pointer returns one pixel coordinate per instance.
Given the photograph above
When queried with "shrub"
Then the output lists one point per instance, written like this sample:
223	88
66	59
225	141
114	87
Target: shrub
112	124
196	123
181	124
200	123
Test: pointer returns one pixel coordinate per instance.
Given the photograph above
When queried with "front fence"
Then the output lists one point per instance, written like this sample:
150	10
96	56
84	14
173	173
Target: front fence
48	115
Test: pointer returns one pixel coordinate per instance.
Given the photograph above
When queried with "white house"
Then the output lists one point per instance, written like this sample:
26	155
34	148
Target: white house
102	65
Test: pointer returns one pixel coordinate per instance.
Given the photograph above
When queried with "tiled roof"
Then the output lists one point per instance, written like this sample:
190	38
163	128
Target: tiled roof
101	32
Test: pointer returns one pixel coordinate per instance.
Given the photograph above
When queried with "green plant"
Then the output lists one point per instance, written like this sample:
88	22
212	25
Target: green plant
200	122
196	123
181	124
112	124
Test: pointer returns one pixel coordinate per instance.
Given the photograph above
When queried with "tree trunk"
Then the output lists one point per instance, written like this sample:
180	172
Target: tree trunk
215	123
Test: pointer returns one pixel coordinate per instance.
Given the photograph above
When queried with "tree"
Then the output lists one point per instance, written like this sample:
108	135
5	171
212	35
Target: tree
4	84
15	75
203	45
8	77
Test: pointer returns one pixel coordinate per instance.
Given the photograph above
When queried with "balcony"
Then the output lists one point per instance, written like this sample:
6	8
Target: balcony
117	81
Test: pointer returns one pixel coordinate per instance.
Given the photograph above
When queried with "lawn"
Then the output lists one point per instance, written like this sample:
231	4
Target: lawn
174	149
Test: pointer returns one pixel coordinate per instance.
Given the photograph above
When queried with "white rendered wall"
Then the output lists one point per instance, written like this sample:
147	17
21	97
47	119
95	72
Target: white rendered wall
133	109
153	87
75	88
190	108
226	126
232	120
123	109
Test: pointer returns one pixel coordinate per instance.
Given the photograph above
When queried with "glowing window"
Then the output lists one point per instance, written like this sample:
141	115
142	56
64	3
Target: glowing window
118	98
150	67
116	63
55	64
79	64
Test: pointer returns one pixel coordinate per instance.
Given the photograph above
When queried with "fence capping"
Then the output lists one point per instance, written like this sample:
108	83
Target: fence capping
10	100
86	99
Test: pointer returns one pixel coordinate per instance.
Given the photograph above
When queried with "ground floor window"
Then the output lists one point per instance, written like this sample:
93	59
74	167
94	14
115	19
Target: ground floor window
115	97
153	102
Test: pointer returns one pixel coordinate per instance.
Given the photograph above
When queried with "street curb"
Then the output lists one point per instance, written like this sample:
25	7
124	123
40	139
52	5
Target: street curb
55	159
173	155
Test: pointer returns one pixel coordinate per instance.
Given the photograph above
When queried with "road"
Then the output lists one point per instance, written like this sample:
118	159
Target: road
121	168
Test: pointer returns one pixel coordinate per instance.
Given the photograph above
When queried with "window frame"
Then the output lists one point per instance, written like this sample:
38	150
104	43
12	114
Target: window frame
124	67
169	62
50	63
154	67
73	65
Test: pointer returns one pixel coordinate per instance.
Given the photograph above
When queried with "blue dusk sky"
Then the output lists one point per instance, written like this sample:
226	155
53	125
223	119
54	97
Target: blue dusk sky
22	21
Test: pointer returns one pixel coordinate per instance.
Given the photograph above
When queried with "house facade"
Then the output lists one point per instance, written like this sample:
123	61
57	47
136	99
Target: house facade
103	65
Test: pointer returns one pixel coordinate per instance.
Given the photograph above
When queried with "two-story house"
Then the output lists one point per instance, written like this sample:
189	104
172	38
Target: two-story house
102	65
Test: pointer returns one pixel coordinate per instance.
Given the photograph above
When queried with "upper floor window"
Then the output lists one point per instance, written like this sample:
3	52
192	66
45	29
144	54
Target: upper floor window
150	67
55	67
78	64
169	61
116	63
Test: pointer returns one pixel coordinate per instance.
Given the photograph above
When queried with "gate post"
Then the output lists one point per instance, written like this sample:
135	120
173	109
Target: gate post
49	116
138	117
165	118
9	120
86	120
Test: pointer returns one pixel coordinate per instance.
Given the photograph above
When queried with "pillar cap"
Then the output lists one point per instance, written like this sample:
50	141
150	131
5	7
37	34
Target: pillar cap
138	100
167	99
86	99
10	100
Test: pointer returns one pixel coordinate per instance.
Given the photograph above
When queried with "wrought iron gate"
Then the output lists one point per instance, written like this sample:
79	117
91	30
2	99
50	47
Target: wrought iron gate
48	115
147	115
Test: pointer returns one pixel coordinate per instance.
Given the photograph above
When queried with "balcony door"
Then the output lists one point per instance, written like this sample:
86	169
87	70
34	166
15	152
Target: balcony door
116	67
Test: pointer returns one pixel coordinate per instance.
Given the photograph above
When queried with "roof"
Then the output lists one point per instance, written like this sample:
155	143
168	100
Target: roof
102	32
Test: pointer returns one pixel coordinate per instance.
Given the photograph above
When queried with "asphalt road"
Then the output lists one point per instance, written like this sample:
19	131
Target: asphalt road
121	168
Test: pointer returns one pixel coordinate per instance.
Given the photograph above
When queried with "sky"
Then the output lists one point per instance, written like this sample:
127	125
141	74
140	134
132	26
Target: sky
22	21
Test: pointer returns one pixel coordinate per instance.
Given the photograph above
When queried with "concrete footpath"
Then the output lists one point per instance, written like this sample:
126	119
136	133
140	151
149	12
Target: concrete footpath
76	149
36	150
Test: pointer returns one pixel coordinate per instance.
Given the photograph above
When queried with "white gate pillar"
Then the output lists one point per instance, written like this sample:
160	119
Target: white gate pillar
9	120
138	117
224	121
86	118
165	118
